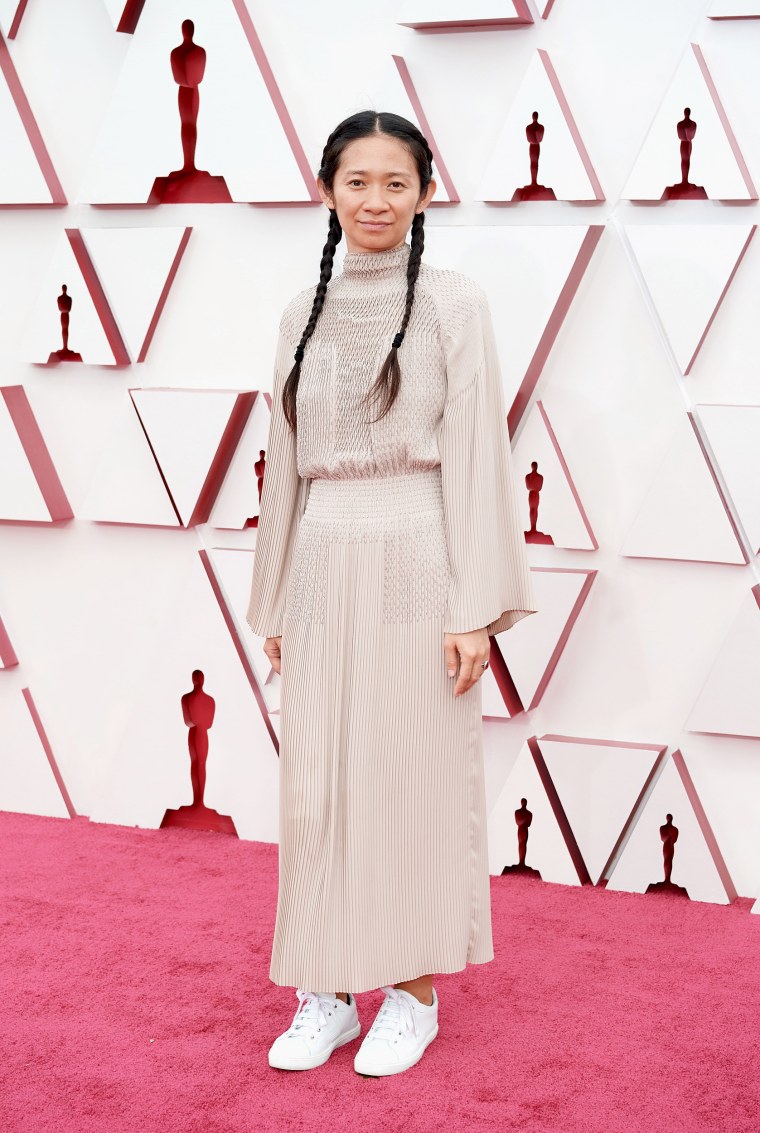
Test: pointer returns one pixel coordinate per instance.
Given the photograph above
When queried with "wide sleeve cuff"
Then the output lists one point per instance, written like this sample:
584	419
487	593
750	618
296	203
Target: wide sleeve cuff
279	511
490	583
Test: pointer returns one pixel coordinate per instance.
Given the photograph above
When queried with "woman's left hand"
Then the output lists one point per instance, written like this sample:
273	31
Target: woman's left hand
469	650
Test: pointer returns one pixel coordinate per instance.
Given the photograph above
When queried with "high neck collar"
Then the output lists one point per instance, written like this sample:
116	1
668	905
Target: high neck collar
377	265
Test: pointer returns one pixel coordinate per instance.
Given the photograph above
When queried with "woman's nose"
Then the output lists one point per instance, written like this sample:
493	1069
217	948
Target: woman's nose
375	197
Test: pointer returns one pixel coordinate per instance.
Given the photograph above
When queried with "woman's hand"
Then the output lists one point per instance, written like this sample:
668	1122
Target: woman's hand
470	650
272	650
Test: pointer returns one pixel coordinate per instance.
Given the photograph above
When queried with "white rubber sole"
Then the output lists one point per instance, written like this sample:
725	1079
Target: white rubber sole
310	1062
370	1071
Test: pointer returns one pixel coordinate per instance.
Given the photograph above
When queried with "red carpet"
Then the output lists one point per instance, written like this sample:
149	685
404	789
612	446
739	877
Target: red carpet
135	996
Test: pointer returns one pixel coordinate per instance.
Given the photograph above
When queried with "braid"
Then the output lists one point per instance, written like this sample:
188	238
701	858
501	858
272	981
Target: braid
361	125
412	270
334	234
389	378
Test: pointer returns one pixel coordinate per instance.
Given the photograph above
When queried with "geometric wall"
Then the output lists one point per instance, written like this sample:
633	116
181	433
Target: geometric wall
624	278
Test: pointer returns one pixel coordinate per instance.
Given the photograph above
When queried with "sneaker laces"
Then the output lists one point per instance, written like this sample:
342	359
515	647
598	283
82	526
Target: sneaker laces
395	1017
312	1011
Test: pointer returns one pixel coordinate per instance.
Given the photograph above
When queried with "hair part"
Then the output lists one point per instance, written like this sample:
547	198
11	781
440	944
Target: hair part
361	125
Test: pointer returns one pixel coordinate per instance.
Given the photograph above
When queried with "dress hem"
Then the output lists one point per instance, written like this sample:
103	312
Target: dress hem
403	977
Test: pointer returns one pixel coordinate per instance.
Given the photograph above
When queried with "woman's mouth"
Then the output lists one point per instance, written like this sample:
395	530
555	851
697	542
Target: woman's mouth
372	225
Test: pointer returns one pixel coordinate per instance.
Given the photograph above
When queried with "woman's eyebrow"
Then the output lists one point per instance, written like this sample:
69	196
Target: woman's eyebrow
393	173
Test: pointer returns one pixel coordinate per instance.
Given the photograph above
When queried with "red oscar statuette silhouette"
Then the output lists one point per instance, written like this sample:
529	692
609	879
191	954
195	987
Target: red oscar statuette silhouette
198	713
534	132
189	185
669	836
523	819
259	467
64	355
534	482
685	190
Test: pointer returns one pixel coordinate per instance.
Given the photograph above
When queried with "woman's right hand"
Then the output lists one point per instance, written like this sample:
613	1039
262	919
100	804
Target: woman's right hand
272	650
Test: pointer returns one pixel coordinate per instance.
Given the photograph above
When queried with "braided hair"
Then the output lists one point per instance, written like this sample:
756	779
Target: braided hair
361	125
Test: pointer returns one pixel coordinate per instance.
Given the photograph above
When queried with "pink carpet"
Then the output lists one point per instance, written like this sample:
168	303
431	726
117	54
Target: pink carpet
135	996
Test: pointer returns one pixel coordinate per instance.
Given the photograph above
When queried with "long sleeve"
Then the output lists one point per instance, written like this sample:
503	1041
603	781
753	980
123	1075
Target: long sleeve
281	500
491	584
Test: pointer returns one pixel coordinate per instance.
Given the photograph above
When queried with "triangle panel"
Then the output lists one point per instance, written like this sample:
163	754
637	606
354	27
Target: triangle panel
127	486
734	435
683	515
560	519
564	170
137	267
233	569
687	269
453	15
599	784
532	649
27	176
8	658
27	782
728	703
44	332
11	13
715	164
20	494
30	489
191	432
150	770
734	10
546	849
641	862
139	140
239	500
530	302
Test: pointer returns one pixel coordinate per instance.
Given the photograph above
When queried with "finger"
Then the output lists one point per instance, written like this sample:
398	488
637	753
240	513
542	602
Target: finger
451	656
476	672
465	679
274	655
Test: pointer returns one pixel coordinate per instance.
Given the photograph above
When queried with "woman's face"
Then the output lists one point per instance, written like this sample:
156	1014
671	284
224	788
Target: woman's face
376	193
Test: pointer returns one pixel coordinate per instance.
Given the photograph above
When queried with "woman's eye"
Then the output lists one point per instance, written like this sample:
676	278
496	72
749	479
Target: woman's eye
356	181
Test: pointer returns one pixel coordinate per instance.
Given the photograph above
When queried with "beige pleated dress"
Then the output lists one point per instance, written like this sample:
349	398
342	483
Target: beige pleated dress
374	539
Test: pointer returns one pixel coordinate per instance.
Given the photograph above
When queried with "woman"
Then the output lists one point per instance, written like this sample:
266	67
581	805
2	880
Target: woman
388	549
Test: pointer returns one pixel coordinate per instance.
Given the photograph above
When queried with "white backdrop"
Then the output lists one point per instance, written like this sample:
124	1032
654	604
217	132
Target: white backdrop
619	323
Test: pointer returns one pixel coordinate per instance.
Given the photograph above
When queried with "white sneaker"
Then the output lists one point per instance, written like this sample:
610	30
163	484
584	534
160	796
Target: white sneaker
402	1029
321	1023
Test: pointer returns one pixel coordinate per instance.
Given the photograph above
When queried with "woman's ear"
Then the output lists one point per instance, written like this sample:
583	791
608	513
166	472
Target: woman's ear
326	197
427	196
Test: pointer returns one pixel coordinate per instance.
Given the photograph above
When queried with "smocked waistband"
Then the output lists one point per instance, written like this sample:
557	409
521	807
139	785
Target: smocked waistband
376	499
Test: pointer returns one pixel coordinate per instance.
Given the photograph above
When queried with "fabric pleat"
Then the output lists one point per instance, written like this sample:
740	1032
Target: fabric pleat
375	539
383	846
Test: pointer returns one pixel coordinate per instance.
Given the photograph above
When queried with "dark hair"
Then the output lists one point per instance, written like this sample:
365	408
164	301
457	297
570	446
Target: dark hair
361	125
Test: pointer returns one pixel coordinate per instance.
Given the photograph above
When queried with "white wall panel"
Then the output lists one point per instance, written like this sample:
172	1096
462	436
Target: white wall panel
628	348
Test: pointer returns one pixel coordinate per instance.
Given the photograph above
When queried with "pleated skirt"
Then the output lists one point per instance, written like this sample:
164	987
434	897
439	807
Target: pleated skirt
383	862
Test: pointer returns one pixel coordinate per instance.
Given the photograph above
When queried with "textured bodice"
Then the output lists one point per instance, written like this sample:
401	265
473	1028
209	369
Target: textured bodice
363	310
444	437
